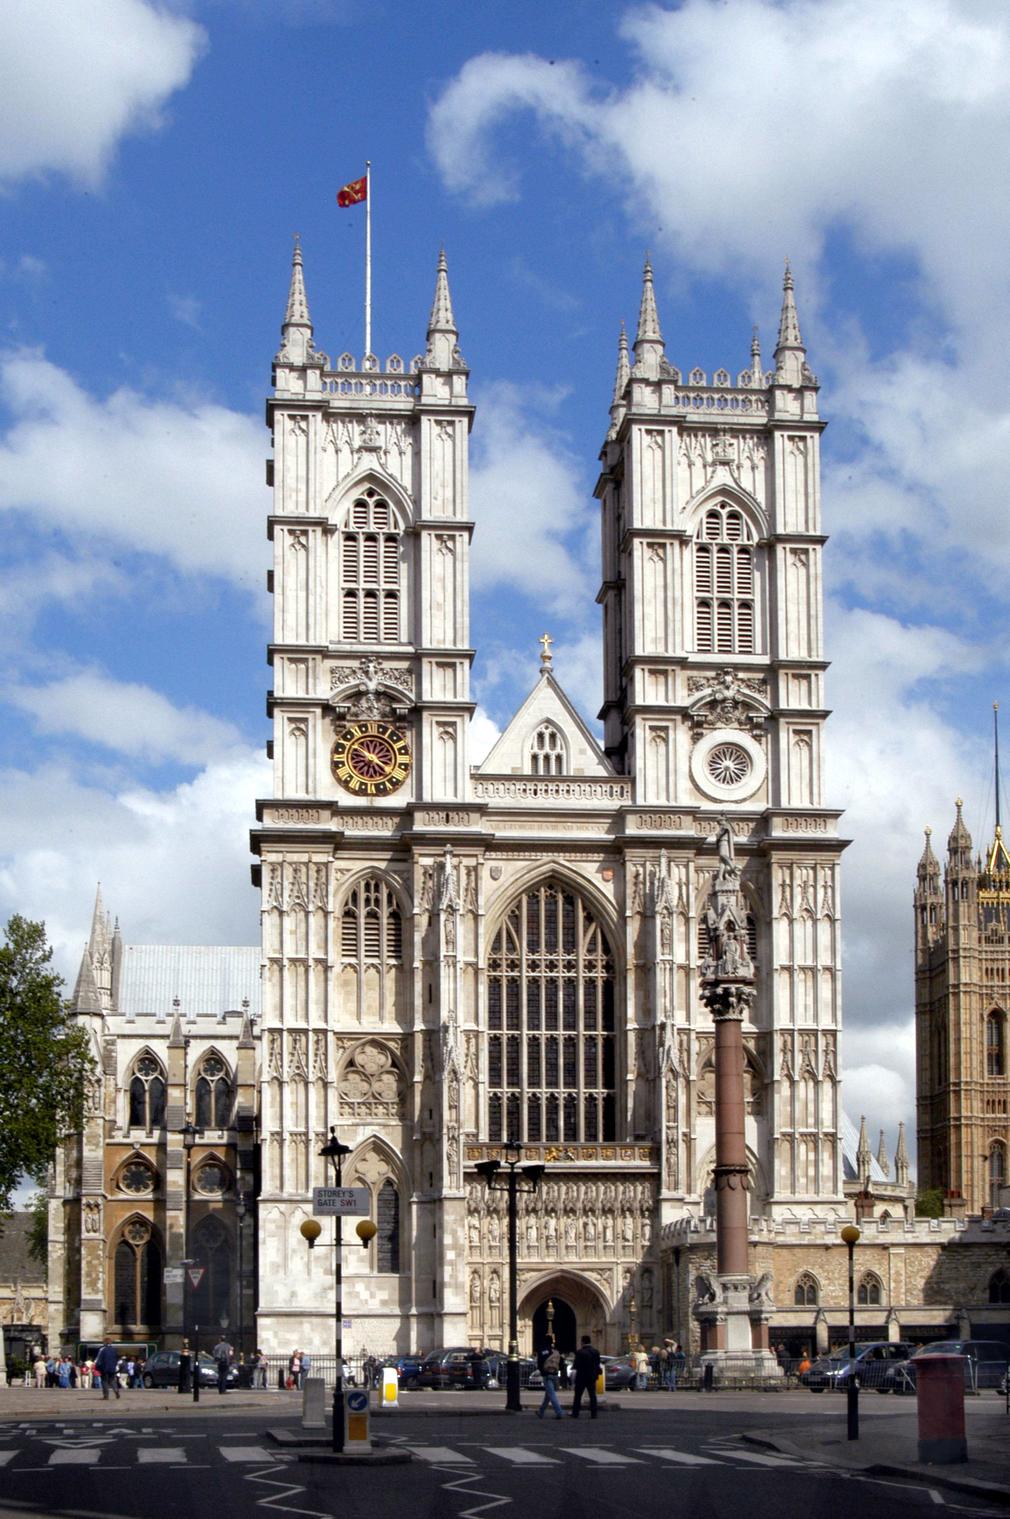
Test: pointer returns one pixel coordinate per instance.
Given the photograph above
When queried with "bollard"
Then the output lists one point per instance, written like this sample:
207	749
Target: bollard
390	1387
601	1383
357	1432
313	1403
708	1377
939	1381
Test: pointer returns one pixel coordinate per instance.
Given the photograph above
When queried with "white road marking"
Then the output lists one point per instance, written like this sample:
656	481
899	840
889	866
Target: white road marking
78	1455
600	1457
6	1455
440	1455
681	1456
520	1456
150	1455
746	1455
248	1453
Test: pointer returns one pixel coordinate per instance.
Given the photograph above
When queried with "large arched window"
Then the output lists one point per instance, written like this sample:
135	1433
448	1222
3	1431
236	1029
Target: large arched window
724	583
213	1093
147	1094
370	572
999	1286
870	1292
548	751
997	1173
805	1293
211	1250
137	1279
995	1044
370	925
551	1035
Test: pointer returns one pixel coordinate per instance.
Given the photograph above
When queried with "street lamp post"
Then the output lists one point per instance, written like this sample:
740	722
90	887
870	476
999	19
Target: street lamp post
310	1231
850	1234
487	1169
240	1213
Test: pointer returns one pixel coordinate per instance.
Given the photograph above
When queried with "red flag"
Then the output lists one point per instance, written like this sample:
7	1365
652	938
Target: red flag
354	193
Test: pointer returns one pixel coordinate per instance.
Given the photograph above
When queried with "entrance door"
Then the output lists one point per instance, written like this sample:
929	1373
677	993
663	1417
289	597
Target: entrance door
564	1325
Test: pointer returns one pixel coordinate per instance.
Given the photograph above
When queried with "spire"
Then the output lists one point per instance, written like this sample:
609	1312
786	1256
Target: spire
864	1155
756	367
99	936
995	746
618	406
928	869
86	998
296	329
443	337
901	1163
790	354
649	351
882	1160
959	839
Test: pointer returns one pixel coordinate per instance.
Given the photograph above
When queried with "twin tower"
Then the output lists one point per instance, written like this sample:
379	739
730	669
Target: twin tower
456	954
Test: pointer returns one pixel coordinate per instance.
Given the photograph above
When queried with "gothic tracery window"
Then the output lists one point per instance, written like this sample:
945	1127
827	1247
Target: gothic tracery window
213	1251
387	1219
551	1023
548	751
370	572
213	1094
805	1294
137	1277
869	1293
997	1173
724	583
370	926
147	1094
999	1286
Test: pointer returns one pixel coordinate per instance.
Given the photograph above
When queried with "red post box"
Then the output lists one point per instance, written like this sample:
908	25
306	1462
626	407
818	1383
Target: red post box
939	1384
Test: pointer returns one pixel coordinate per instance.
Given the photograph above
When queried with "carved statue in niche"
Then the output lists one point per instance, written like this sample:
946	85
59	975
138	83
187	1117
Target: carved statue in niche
473	1231
532	1239
646	1230
590	1230
628	1229
608	1229
494	1231
571	1241
494	1298
646	1291
475	1289
551	1231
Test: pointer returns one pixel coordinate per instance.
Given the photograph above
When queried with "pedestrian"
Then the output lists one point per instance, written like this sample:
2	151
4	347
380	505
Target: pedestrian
670	1348
586	1366
40	1372
641	1361
549	1365
294	1368
107	1366
306	1367
260	1370
222	1354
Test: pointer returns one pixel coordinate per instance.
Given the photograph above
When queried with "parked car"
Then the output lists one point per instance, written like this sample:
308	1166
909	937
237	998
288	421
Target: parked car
986	1363
497	1366
872	1363
619	1373
407	1368
459	1366
162	1370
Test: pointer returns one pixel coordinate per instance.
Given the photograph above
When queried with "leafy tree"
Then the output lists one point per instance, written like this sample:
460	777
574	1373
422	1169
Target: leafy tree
929	1204
38	1230
45	1058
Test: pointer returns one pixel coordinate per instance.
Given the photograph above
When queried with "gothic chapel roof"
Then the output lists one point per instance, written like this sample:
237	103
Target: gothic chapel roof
546	706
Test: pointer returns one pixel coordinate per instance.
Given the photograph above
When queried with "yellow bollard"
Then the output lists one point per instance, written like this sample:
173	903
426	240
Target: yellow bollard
600	1384
390	1387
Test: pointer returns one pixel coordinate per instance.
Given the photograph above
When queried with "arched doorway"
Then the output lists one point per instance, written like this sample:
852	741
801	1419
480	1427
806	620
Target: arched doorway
562	1315
579	1309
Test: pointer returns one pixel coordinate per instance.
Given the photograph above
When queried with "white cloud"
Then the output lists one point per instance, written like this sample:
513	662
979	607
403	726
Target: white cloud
484	734
165	477
174	865
186	309
125	717
79	78
533	525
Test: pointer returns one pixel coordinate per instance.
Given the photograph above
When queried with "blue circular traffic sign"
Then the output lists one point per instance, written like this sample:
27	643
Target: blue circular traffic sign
357	1402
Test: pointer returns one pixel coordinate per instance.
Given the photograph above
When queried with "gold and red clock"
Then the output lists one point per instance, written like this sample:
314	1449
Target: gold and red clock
370	758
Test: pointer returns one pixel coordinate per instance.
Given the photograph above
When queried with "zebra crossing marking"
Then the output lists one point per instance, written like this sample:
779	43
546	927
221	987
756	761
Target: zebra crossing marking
247	1453
76	1455
601	1457
520	1456
151	1455
683	1457
441	1455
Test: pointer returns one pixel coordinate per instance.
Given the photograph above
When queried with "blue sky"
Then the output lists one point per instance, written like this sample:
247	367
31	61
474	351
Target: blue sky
154	163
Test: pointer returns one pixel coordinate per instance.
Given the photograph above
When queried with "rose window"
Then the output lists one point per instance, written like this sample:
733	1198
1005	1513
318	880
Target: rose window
137	1177
212	1179
728	764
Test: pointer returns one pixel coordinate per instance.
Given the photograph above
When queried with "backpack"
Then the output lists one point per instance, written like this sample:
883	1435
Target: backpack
552	1363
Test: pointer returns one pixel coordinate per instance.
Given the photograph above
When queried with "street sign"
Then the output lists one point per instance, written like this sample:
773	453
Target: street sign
195	1274
347	1202
173	1275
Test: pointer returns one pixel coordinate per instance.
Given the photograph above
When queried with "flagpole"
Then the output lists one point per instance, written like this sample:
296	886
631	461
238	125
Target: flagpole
368	256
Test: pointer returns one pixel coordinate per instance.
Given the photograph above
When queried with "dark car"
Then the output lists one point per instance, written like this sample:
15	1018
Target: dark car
872	1364
619	1373
498	1369
406	1367
162	1370
459	1366
986	1363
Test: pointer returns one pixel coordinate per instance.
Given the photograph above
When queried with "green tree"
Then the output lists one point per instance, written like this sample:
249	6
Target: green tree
45	1058
929	1204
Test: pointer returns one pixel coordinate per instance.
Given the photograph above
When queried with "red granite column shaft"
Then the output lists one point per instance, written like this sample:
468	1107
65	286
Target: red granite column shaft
730	1149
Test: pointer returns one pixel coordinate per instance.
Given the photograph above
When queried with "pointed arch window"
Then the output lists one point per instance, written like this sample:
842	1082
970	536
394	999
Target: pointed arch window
725	583
136	1279
548	751
371	929
213	1251
995	1044
997	1173
870	1292
387	1218
999	1286
370	572
551	1041
147	1094
806	1293
213	1094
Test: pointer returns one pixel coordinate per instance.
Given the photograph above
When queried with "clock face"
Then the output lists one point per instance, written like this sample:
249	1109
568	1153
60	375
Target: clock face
371	759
